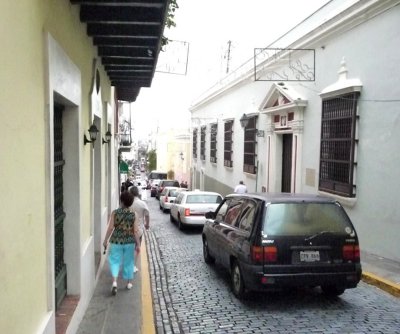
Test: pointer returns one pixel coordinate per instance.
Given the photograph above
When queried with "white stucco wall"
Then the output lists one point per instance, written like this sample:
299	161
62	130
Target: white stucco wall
367	37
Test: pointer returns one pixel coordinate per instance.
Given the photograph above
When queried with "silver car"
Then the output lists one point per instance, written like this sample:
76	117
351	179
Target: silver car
167	196
190	207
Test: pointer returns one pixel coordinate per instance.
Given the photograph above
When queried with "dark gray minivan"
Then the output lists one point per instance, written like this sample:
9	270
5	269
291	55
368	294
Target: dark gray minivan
271	241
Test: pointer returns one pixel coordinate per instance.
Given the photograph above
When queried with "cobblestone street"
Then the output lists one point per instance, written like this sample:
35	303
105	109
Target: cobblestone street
193	297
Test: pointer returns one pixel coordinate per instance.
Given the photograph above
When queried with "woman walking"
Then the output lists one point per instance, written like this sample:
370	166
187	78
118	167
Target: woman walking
124	240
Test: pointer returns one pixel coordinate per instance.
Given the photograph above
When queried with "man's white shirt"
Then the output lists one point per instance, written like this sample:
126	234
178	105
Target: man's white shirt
240	189
141	209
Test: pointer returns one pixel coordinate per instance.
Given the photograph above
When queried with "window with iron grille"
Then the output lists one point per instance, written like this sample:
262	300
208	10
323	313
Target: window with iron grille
249	158
338	128
213	142
203	143
228	143
194	148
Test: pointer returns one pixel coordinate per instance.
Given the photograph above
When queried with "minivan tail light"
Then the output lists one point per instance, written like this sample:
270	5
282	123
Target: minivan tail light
270	254
357	252
166	199
187	212
351	252
257	254
261	254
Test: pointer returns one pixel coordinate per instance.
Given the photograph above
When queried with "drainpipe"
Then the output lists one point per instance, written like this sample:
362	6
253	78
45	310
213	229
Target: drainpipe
256	175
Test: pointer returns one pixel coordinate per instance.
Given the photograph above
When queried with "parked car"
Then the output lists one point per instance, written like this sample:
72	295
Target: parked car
167	196
154	187
189	207
166	183
272	241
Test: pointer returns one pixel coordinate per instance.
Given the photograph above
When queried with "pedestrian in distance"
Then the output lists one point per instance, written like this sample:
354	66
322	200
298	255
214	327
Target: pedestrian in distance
123	236
142	212
240	188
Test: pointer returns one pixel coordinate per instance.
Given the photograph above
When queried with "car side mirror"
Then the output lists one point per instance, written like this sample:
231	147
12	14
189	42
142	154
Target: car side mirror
172	201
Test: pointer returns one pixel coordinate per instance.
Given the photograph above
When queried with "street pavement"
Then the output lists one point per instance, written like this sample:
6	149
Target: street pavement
150	306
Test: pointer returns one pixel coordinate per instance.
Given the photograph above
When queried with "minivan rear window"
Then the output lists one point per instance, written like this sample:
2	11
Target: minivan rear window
297	219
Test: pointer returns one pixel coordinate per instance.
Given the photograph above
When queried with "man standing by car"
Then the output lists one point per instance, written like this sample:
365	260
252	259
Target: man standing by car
240	188
142	211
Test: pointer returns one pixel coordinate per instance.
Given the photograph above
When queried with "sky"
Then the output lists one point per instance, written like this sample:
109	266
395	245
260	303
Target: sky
208	26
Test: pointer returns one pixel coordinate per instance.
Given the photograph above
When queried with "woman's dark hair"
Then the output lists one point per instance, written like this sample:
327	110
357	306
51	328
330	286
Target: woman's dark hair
126	198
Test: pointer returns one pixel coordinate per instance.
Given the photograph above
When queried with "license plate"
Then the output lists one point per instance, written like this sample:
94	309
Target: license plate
309	256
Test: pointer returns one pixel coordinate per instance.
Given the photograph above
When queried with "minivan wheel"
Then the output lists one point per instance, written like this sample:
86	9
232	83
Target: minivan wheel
238	287
206	253
332	290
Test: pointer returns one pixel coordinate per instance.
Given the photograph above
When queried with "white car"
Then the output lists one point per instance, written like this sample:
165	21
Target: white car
189	207
167	196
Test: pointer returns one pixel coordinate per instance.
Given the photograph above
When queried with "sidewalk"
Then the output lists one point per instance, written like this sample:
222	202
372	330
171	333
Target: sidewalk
131	311
381	272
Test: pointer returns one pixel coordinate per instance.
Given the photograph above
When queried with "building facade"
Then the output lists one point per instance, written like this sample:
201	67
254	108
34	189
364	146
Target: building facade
58	185
173	153
317	111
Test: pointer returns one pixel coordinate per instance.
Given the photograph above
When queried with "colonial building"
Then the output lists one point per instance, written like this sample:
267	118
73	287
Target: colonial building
173	156
317	111
66	67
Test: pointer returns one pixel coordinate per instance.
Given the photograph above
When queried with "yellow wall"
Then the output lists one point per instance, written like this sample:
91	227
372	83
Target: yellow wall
23	271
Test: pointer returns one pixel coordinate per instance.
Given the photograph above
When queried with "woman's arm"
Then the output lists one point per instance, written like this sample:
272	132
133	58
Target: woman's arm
136	234
109	230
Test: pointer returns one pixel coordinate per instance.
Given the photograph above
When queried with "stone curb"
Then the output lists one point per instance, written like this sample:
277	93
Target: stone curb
382	283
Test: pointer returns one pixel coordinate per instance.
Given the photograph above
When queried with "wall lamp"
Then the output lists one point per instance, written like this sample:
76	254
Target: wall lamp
244	121
108	137
93	135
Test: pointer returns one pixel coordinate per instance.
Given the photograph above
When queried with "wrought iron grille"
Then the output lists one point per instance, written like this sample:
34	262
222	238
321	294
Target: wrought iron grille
203	143
213	142
249	157
194	148
338	127
60	268
228	143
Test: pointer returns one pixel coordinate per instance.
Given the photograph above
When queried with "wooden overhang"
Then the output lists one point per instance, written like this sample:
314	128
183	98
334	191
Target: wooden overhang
128	36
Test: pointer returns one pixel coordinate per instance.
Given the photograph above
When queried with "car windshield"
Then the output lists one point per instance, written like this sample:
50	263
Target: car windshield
299	219
193	199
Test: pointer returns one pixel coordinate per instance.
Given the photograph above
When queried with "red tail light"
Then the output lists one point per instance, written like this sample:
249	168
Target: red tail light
261	254
351	252
357	252
187	212
257	254
166	199
270	254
